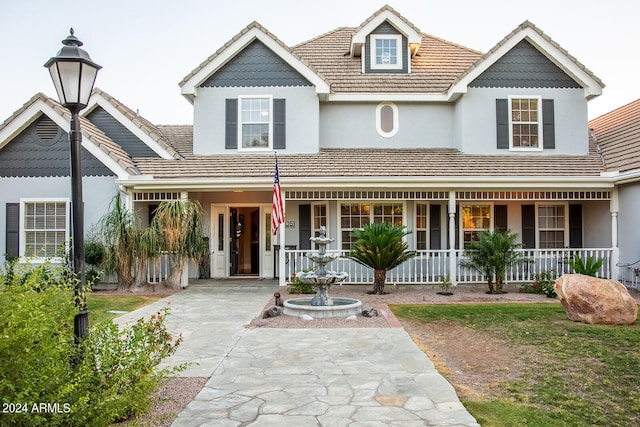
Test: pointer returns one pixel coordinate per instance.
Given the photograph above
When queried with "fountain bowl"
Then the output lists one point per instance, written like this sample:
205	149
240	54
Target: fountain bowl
338	307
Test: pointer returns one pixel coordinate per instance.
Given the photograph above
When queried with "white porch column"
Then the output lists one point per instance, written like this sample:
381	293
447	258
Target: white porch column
615	254
452	238
184	279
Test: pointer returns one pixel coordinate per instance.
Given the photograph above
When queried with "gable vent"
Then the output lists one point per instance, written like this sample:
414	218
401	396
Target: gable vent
46	129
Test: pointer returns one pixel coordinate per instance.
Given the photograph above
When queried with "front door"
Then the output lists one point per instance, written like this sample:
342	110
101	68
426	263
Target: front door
218	239
241	241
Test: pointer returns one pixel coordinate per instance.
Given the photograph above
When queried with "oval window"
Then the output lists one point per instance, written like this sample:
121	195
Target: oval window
387	119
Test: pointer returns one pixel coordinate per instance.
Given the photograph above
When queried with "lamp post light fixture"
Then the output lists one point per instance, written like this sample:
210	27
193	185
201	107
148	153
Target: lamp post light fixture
73	74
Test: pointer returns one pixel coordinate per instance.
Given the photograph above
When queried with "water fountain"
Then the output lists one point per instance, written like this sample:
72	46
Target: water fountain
321	305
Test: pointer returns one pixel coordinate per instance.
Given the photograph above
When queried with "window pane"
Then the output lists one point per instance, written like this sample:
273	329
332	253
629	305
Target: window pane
386	119
255	119
386	51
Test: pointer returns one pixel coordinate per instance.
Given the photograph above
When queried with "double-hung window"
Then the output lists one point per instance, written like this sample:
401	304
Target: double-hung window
386	51
357	215
256	124
44	228
475	219
552	226
525	122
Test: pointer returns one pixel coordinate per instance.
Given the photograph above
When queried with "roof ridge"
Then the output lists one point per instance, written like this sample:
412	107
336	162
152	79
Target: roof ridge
335	30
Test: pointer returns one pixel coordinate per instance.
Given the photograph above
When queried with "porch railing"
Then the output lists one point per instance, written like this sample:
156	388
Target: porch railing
429	267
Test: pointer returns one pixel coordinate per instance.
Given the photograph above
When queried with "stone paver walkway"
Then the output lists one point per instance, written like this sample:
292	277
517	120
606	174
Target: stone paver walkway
301	377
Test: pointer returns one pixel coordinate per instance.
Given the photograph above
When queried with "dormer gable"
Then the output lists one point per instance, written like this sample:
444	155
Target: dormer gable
203	74
388	16
527	37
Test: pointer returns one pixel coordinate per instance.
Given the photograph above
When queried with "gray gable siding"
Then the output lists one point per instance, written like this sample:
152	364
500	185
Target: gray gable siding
258	66
526	67
37	155
386	28
120	134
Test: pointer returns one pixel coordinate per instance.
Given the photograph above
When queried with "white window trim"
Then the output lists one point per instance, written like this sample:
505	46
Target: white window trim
313	217
372	51
371	203
427	228
540	146
396	124
462	229
22	238
566	222
240	123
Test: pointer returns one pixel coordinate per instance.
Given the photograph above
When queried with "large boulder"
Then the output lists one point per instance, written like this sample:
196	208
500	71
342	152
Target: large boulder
596	301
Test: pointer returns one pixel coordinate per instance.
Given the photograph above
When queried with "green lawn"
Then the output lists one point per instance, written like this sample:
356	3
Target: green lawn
578	374
100	305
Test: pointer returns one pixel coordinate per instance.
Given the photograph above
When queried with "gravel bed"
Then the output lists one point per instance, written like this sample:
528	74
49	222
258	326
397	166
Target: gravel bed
396	294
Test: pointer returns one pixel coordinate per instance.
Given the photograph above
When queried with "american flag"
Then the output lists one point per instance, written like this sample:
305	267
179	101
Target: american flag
277	216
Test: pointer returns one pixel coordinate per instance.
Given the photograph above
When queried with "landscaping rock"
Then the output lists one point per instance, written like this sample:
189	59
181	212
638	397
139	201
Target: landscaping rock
369	311
272	312
596	301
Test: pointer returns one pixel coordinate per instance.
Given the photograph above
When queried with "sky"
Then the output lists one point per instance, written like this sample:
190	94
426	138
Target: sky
146	47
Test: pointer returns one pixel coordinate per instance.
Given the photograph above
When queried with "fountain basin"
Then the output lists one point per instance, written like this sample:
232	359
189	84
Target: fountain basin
338	307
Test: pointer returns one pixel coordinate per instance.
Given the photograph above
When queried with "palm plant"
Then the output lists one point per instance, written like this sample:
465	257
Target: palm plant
179	223
589	267
119	228
380	246
492	254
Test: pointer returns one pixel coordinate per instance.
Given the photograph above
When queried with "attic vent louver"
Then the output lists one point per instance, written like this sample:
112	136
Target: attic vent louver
46	129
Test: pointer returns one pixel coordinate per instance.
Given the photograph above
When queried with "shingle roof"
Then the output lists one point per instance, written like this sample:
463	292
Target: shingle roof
433	69
365	163
618	135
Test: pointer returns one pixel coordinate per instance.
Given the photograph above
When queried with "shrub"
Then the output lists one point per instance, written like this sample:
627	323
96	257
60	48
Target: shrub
543	284
108	377
589	267
297	287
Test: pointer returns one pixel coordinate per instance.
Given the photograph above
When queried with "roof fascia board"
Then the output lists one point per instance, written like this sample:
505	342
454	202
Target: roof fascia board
99	100
189	87
591	87
20	123
149	183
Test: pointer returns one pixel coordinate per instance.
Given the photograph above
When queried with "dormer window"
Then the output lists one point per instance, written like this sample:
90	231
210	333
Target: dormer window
386	51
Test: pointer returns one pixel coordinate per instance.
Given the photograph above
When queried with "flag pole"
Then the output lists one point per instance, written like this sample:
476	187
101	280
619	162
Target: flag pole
277	220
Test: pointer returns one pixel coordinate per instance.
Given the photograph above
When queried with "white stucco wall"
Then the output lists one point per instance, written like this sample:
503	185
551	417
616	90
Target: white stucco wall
628	226
97	195
476	120
353	125
302	117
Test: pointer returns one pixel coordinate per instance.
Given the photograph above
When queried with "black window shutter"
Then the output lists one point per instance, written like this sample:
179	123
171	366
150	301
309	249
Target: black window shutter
435	238
500	217
279	124
231	124
502	123
575	226
304	220
13	230
548	124
528	226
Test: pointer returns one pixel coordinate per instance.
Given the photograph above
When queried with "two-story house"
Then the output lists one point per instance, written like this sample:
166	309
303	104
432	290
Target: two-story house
379	122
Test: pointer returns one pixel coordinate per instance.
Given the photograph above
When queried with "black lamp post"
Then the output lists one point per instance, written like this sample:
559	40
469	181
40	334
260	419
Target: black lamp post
73	75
